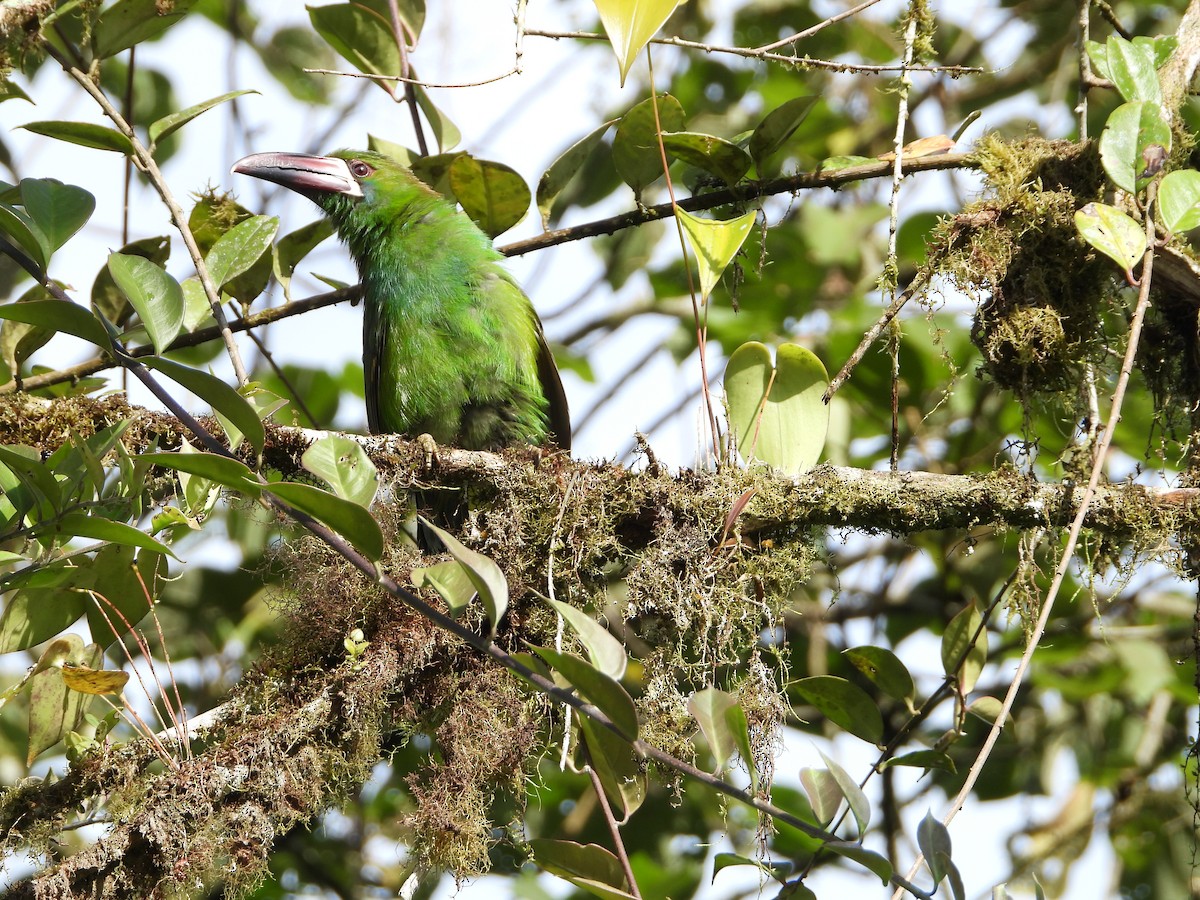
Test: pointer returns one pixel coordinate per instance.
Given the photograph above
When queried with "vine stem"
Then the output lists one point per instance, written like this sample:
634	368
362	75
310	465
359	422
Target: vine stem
1064	562
615	830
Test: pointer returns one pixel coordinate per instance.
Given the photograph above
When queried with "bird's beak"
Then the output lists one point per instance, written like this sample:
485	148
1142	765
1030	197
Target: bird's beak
304	174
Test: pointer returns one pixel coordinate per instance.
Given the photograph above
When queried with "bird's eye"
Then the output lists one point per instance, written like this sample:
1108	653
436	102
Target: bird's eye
360	169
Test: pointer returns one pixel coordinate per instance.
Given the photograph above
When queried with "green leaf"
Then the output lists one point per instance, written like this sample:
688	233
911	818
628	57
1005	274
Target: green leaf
108	299
345	466
844	704
787	429
923	759
777	127
709	707
101	529
129	22
859	805
778	871
1132	70
168	125
584	865
823	792
362	36
960	635
85	134
223	470
1179	201
451	582
19	341
884	670
487	577
348	519
605	652
124	583
16	224
1134	132
38	487
491	193
636	154
239	248
988	709
563	169
1113	233
59	210
293	247
33	615
715	243
735	718
864	857
155	295
602	690
614	761
223	399
934	840
726	160
630	26
54	709
58	315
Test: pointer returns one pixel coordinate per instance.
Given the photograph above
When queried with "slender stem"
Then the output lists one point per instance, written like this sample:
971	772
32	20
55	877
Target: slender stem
699	321
615	830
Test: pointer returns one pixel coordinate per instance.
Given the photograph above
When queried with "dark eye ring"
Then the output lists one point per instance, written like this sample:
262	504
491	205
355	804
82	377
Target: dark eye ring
360	169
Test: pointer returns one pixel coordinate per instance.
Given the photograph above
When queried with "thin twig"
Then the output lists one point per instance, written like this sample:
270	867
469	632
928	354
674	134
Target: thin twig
615	830
701	327
820	26
891	267
750	53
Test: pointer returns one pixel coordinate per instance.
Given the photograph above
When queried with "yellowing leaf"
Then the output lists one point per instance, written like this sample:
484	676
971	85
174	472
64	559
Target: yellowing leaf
715	244
926	146
630	24
87	680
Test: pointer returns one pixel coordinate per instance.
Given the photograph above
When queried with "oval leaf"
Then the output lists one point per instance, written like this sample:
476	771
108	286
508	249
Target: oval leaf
964	648
155	295
58	315
708	707
844	704
345	466
726	160
58	209
1131	131
489	581
777	126
786	427
605	652
560	172
883	669
1179	201
348	519
636	155
1113	233
605	692
223	399
167	125
491	193
85	134
238	249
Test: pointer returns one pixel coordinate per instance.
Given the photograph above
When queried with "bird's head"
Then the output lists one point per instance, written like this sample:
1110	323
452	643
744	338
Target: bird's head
348	185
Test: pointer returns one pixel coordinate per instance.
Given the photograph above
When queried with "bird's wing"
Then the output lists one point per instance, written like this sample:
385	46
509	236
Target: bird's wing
559	414
372	356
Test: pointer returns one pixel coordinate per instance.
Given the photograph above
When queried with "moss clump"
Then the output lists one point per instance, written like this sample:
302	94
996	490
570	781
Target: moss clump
1043	294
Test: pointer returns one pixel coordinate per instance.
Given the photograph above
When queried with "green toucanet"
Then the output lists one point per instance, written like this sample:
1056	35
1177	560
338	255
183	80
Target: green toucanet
451	345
